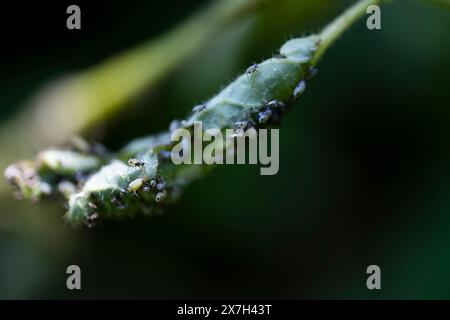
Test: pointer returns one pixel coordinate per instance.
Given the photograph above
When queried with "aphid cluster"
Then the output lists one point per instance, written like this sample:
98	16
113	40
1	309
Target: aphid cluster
157	184
270	113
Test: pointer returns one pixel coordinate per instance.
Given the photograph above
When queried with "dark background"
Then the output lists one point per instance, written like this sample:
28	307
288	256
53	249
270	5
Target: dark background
364	162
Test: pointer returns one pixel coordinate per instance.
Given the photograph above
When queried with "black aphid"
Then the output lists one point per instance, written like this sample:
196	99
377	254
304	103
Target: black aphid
264	116
136	163
92	205
252	69
118	202
199	108
91	220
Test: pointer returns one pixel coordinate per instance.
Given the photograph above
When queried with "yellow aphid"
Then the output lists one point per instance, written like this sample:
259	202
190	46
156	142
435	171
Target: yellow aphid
135	185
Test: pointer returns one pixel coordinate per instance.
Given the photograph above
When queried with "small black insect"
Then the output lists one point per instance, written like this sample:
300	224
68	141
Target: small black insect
136	163
252	69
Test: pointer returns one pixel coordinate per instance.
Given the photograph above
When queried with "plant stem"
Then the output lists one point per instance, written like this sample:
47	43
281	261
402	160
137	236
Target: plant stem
343	22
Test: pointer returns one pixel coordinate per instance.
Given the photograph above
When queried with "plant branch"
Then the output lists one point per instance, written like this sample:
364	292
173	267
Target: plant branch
100	185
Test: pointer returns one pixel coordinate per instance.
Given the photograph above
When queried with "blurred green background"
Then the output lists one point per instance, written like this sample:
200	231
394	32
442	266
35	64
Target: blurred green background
364	163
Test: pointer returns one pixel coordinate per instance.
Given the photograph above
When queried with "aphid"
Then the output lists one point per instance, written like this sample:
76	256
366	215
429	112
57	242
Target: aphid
299	89
153	183
92	205
199	108
276	104
146	189
91	219
118	202
136	163
135	185
161	185
312	72
241	124
240	128
160	196
252	69
264	116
